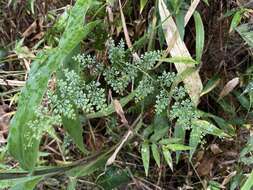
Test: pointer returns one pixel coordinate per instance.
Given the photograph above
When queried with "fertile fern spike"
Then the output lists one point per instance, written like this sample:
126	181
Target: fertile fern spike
74	93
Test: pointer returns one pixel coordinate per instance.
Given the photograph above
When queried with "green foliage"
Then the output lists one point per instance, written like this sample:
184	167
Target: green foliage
200	36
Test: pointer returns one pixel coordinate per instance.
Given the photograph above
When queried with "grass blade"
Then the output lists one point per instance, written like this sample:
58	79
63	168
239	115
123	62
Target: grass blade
145	154
200	36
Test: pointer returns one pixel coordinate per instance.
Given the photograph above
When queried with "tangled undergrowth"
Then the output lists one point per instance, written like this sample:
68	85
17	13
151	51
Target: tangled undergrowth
84	108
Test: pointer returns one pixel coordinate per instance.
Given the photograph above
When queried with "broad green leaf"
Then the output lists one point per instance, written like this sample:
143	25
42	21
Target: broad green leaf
167	157
200	36
156	154
245	30
195	138
177	147
145	155
249	182
113	178
211	84
182	60
21	144
28	184
142	4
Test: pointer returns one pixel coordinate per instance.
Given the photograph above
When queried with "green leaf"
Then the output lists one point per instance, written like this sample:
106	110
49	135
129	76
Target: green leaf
245	30
28	184
211	84
156	154
169	141
145	155
74	128
113	178
176	147
167	157
195	138
180	134
20	143
142	4
249	182
178	59
236	20
200	36
209	128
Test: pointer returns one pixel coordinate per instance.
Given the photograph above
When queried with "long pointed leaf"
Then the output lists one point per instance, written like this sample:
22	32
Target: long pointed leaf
21	144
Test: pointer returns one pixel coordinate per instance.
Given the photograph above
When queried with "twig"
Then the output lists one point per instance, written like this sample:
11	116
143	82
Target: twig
12	82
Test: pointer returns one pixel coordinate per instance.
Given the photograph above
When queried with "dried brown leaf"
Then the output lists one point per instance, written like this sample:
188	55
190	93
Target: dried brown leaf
215	149
229	87
119	110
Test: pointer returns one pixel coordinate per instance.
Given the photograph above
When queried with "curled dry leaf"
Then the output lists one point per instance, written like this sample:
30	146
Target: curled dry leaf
229	87
119	110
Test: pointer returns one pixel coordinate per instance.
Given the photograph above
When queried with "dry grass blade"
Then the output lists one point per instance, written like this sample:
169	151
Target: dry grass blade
127	38
119	110
192	83
190	11
114	155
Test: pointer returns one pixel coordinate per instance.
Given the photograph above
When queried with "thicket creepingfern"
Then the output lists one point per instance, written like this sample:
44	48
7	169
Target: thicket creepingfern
123	75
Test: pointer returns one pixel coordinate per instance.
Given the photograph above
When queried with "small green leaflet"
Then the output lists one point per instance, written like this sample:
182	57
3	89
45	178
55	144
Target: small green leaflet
167	157
195	138
200	36
178	147
180	134
145	154
178	59
156	154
